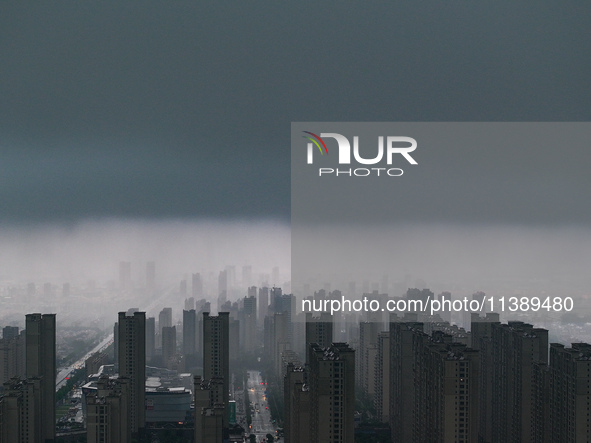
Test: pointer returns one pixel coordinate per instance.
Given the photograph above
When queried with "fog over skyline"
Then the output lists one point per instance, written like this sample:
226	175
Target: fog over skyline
92	250
497	259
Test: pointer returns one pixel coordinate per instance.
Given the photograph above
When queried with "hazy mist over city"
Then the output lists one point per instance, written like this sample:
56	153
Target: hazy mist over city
496	259
462	259
87	254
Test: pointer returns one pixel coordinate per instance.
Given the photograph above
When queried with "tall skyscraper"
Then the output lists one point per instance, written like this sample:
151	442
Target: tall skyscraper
213	423
165	318
189	303
132	364
189	332
248	323
382	378
216	347
21	415
276	304
404	345
168	344
318	330
9	332
250	303
222	288
570	393
196	286
434	385
332	394
481	331
368	340
150	338
517	348
164	321
446	408
107	412
200	307
263	303
209	394
296	397
40	363
12	354
279	339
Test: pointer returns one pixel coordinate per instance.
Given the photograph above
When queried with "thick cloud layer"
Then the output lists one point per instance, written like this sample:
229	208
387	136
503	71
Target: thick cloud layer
183	109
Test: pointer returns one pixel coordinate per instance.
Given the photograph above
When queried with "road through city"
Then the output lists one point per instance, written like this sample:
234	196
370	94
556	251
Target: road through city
261	414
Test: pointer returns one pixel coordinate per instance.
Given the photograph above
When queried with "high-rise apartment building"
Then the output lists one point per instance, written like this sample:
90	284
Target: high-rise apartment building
216	351
481	332
189	332
279	341
570	393
263	303
9	332
107	411
434	385
381	399
168	344
318	330
447	402
189	303
40	363
517	348
196	286
165	318
296	398
366	353
132	364
21	414
222	288
405	339
248	323
332	394
12	355
208	394
150	338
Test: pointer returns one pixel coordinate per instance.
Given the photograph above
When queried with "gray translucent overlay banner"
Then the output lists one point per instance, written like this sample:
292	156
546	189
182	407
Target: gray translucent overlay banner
456	208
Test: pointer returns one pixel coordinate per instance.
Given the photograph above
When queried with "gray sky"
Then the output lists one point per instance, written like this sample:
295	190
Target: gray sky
159	109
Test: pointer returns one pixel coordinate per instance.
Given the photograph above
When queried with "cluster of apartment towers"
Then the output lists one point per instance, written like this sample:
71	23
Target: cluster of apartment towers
429	380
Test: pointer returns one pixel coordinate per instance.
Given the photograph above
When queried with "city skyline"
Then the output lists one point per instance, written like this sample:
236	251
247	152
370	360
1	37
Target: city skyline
471	374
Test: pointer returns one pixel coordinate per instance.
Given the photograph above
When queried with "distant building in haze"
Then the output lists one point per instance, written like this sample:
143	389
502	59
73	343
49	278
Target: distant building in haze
189	332
125	275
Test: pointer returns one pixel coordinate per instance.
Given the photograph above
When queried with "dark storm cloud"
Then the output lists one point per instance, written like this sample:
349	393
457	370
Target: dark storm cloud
184	109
